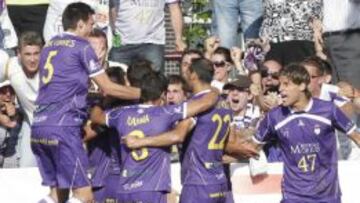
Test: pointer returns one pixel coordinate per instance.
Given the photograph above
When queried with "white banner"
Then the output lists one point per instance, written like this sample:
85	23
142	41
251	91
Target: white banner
24	185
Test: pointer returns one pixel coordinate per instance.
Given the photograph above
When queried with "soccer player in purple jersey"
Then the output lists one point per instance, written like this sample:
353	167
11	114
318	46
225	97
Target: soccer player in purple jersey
66	63
145	173
102	150
202	172
305	127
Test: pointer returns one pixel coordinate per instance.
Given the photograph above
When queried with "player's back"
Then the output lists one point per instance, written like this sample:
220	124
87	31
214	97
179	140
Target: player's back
146	169
201	155
66	62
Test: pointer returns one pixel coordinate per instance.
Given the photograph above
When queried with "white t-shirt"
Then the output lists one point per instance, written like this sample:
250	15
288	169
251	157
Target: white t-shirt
341	15
53	24
10	38
140	22
4	57
26	89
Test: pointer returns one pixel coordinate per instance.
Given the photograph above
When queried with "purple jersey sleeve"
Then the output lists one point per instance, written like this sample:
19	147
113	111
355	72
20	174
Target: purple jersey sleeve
176	111
112	117
265	130
90	61
341	121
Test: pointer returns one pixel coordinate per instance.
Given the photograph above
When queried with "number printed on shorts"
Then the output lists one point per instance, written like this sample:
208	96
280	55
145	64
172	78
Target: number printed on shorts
49	67
144	151
214	144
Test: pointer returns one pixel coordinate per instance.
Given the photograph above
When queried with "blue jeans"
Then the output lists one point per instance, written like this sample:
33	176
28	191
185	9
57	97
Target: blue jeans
226	17
128	53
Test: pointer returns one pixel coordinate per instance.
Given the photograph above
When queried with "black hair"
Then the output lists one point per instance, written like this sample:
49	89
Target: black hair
203	69
75	12
323	67
192	51
137	70
224	52
152	87
178	79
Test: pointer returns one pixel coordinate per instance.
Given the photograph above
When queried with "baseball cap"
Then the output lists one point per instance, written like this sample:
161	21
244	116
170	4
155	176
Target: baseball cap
242	82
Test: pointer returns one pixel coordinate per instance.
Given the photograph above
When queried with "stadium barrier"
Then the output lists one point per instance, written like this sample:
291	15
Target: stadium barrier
24	185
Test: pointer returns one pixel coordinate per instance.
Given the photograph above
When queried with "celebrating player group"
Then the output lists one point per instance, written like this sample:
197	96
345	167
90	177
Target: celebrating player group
128	142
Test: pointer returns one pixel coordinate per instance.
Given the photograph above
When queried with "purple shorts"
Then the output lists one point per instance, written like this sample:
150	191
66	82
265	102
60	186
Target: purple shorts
60	156
143	197
218	193
107	193
332	200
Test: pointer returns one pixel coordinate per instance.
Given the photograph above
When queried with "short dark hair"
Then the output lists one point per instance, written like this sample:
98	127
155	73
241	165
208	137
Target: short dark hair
137	70
75	12
30	38
192	51
116	74
203	69
323	67
224	52
297	74
152	86
178	79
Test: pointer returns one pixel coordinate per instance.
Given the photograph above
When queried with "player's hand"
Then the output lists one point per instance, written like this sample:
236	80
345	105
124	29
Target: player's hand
247	149
132	142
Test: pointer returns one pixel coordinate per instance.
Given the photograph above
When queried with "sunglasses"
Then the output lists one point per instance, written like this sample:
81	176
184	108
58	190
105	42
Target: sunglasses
265	74
219	64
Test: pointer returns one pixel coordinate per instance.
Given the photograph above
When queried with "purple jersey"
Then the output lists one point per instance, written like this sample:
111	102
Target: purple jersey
66	63
202	151
308	145
103	156
146	169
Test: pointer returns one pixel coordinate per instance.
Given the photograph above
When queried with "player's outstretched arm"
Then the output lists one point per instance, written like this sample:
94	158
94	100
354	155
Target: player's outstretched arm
97	116
115	90
202	104
174	136
241	147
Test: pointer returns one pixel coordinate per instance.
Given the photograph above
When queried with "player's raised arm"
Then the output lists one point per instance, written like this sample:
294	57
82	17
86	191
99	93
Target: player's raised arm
174	136
115	90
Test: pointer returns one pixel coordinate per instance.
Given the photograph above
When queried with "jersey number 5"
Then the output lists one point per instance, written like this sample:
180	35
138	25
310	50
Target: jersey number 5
213	144
144	151
49	67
